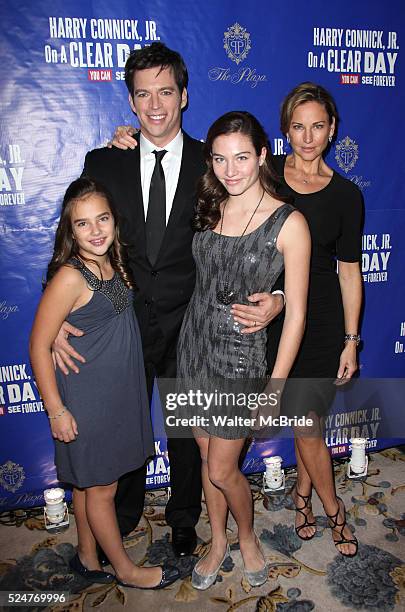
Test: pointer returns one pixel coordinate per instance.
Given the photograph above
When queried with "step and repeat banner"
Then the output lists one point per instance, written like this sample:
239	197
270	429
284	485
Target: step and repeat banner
63	92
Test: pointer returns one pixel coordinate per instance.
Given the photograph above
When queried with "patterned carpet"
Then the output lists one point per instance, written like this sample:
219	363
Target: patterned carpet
310	575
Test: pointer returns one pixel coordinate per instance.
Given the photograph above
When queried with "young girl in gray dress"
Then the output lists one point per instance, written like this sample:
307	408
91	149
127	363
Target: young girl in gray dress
99	418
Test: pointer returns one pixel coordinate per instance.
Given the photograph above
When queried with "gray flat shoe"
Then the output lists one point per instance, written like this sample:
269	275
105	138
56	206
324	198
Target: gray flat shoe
204	581
259	577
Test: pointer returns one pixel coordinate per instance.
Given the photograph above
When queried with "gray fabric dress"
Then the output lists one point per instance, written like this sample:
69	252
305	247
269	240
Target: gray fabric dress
212	353
108	397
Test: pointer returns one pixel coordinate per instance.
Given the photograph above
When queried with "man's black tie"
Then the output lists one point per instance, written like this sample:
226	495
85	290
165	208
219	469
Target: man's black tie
156	216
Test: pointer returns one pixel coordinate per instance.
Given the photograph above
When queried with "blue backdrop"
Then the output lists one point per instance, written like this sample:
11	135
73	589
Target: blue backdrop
62	93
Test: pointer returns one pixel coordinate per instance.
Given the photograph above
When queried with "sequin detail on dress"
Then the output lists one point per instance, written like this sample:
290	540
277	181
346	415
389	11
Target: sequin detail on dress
212	353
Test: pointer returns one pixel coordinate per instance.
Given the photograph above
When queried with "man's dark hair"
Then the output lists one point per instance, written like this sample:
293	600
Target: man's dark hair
157	54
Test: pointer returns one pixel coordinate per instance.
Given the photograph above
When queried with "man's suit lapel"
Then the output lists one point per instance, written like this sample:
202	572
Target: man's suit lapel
184	192
135	211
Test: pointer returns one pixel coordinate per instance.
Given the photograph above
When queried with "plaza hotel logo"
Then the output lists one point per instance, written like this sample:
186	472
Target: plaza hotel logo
237	43
12	476
346	156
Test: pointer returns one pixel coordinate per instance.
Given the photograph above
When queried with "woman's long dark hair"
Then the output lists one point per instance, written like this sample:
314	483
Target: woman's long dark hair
211	193
66	247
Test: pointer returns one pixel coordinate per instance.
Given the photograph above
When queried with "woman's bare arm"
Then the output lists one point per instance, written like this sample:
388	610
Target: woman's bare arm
294	242
352	292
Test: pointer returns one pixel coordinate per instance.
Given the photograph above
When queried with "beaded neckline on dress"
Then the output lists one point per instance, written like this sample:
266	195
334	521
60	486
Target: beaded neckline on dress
113	289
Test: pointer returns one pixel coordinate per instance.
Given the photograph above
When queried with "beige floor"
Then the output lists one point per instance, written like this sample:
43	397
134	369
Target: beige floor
310	575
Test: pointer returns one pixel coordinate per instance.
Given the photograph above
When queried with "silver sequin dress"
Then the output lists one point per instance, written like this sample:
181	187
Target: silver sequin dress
212	352
108	397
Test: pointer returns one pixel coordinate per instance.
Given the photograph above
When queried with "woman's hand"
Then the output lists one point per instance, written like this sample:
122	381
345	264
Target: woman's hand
348	363
123	138
351	287
64	427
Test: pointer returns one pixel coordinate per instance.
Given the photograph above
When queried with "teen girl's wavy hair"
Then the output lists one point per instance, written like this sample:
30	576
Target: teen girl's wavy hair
66	248
211	193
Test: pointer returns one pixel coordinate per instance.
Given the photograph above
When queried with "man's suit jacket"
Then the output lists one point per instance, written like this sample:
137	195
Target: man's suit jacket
167	286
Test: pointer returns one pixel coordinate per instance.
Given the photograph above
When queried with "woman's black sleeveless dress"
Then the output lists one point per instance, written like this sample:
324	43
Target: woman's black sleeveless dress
334	216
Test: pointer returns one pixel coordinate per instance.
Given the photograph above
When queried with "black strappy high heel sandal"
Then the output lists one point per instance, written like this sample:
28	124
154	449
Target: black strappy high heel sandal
339	527
307	506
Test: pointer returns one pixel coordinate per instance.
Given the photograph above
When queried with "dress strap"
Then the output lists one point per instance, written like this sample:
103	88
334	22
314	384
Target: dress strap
281	214
94	283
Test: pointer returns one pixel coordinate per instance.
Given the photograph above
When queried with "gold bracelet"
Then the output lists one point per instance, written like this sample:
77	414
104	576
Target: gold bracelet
58	415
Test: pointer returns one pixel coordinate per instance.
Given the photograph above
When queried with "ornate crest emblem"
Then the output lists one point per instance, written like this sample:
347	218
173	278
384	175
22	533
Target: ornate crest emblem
11	476
347	153
237	43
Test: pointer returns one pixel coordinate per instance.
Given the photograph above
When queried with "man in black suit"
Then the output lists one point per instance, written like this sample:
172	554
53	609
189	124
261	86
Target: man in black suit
154	187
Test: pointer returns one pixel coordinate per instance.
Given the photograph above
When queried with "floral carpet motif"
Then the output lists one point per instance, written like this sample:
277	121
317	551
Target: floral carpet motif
309	575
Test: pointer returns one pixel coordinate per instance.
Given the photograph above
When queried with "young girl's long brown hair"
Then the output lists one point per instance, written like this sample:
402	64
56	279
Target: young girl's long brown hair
66	247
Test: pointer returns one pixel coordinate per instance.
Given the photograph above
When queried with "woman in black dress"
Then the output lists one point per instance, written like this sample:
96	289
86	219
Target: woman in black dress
332	206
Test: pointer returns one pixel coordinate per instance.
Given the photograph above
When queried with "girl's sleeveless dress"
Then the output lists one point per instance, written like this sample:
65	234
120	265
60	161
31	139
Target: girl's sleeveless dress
212	353
108	397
